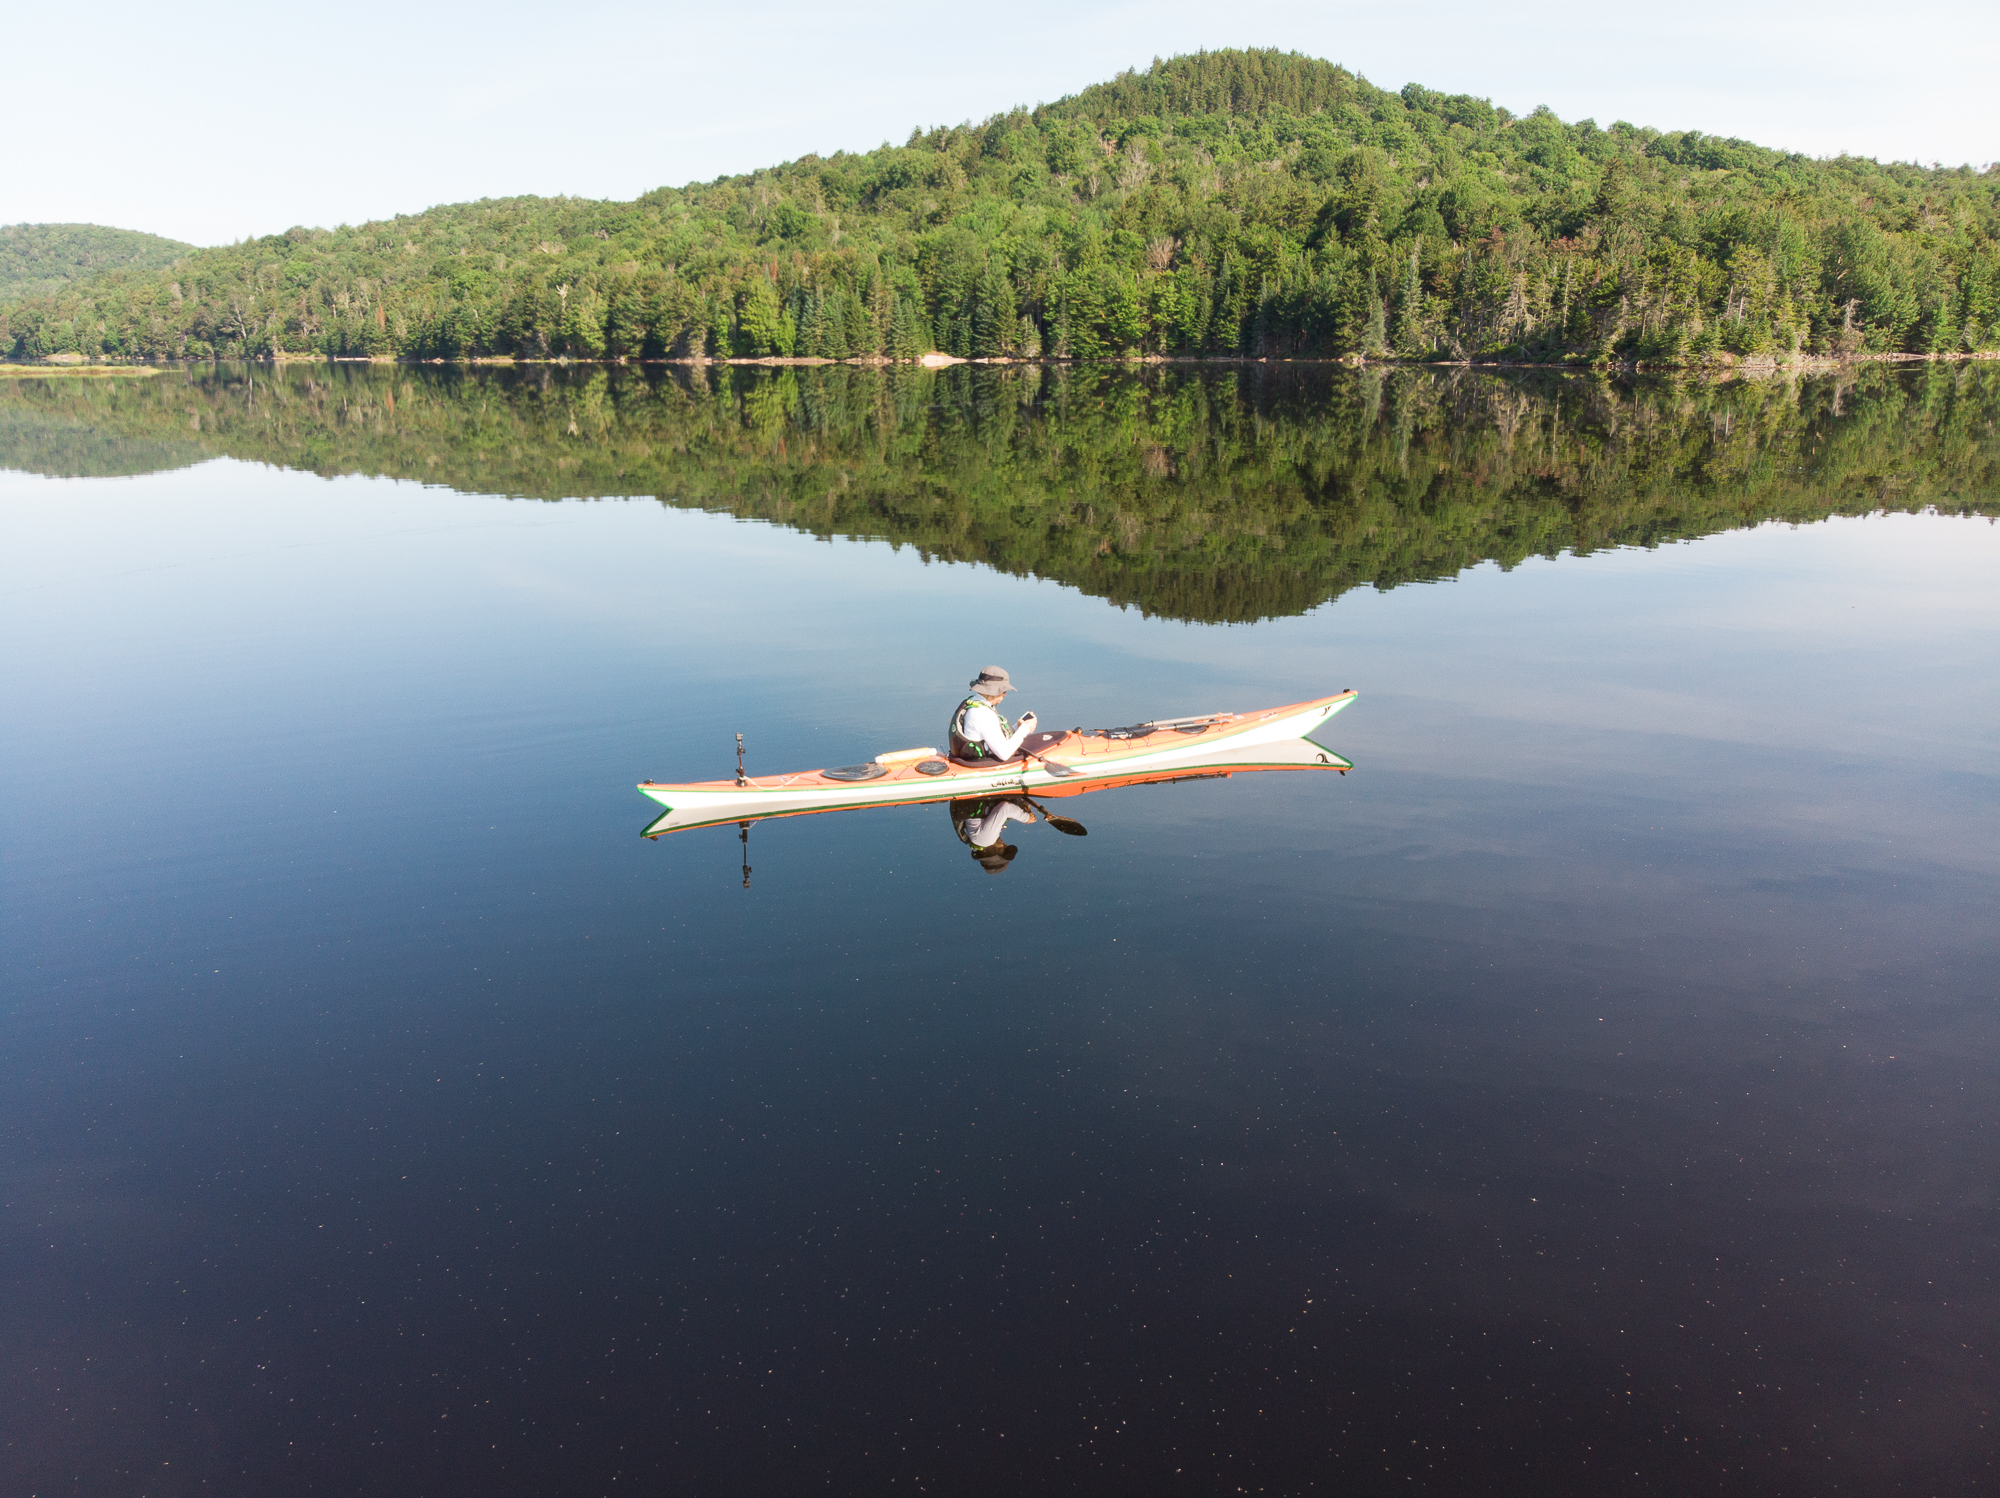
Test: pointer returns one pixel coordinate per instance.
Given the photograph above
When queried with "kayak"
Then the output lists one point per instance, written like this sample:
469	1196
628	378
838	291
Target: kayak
1059	762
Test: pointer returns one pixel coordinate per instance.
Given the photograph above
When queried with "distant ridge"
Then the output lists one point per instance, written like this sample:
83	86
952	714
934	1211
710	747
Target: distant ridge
1242	204
38	260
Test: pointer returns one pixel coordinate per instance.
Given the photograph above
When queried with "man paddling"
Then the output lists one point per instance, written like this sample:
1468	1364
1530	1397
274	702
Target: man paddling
978	730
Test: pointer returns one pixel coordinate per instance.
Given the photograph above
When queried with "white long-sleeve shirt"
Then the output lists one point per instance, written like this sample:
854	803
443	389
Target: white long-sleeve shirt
981	724
984	832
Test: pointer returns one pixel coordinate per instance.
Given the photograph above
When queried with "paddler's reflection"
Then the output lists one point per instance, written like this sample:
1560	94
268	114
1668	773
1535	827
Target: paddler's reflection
979	822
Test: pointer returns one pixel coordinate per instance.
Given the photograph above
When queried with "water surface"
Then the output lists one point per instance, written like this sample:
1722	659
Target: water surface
1593	1091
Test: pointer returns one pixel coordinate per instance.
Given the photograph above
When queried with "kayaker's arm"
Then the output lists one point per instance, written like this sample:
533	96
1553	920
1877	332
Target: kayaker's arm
982	726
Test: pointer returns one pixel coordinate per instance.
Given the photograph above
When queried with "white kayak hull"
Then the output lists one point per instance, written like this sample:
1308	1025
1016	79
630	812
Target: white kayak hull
1273	739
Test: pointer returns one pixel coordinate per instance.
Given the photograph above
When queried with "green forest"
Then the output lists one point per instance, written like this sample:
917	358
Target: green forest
1223	494
40	261
1246	204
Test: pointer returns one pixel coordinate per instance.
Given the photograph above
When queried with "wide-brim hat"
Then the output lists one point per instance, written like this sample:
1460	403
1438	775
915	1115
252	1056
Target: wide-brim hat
992	681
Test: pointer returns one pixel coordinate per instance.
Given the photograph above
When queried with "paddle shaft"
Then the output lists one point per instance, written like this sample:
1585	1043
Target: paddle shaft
1054	766
1061	824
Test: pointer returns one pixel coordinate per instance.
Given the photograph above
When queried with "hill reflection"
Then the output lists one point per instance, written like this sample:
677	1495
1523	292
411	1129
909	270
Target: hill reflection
1197	494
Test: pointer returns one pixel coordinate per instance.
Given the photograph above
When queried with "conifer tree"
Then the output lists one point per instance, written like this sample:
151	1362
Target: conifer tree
993	311
907	336
1410	311
762	318
1375	339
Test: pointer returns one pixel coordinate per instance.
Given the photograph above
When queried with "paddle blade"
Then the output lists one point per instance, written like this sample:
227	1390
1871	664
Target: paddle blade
1065	824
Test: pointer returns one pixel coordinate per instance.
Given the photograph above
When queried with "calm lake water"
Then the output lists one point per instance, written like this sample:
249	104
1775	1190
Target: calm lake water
1593	1092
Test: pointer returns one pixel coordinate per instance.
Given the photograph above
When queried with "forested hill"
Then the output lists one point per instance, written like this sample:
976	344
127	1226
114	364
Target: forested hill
39	261
1255	204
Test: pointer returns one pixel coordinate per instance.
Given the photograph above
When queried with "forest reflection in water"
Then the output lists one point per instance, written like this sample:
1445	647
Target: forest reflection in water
1202	493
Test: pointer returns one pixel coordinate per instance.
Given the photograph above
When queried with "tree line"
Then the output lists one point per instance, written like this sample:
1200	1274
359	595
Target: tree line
1221	494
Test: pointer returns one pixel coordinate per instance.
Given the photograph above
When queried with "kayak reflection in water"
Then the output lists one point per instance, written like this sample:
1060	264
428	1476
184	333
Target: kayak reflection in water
979	822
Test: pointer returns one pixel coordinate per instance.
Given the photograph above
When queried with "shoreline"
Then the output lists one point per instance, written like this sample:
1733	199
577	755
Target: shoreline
72	366
78	371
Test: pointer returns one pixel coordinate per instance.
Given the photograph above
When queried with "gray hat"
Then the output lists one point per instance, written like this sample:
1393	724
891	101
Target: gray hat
995	858
992	682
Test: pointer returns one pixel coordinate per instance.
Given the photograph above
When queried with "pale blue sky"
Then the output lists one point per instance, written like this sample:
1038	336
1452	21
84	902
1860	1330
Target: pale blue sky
212	121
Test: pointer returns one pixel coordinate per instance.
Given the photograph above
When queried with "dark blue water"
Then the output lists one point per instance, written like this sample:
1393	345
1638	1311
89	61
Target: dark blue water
1593	1092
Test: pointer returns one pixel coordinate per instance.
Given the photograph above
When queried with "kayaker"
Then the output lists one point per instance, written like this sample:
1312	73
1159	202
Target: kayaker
978	729
979	822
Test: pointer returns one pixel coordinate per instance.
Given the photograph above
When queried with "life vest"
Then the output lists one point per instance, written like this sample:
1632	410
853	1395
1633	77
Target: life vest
966	812
965	748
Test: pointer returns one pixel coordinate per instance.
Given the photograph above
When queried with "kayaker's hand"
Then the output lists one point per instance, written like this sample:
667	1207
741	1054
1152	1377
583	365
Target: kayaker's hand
1028	721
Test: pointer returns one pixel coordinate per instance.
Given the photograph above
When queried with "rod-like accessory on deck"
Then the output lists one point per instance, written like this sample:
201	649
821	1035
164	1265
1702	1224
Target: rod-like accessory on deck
741	778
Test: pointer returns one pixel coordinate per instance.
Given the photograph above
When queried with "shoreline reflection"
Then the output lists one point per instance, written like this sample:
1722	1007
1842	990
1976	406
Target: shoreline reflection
1199	494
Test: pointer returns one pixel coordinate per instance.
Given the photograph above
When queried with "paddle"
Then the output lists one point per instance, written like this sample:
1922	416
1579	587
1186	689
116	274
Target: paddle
1061	824
1056	768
